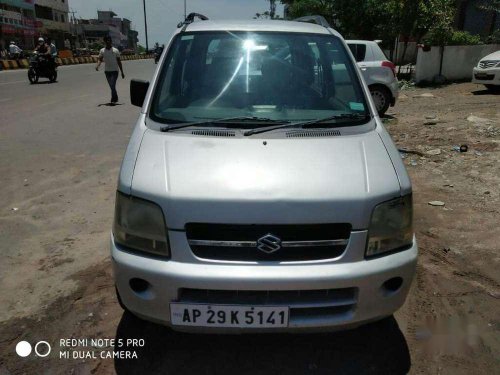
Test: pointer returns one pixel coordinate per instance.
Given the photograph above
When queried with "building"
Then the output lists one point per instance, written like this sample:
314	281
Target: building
470	17
53	21
17	23
89	32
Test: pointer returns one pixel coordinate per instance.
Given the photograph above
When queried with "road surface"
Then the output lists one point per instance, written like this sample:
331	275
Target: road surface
61	147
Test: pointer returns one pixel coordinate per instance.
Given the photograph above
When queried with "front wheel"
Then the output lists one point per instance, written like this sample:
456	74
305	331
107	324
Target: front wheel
32	76
382	98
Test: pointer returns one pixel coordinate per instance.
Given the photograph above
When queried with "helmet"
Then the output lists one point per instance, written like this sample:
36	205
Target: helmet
41	40
12	42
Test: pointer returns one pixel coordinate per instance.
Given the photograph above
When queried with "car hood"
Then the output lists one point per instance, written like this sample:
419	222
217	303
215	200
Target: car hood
279	181
492	56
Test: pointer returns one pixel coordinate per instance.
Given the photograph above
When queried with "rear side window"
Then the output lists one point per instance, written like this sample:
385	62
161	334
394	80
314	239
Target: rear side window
359	51
378	54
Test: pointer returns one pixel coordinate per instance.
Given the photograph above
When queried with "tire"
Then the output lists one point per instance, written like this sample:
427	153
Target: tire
493	88
382	98
33	78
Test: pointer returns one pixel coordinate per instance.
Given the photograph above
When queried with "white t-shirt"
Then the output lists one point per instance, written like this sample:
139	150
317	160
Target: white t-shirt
110	59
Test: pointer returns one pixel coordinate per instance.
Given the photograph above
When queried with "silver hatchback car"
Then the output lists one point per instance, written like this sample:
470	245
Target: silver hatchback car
260	191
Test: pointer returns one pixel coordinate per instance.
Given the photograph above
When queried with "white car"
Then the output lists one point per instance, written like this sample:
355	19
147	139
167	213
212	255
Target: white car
487	71
378	72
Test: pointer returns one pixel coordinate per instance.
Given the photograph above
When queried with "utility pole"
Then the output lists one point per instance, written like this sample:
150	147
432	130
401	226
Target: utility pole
272	11
185	9
145	25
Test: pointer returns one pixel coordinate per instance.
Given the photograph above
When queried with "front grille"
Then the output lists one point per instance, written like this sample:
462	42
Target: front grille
484	77
485	64
303	304
268	242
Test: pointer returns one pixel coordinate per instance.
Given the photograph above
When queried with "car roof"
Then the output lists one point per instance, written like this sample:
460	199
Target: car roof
259	25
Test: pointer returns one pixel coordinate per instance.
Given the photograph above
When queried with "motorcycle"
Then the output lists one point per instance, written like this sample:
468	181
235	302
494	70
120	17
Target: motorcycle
158	53
42	66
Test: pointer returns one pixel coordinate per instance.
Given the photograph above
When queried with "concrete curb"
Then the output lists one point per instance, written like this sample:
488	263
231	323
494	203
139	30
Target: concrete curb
24	63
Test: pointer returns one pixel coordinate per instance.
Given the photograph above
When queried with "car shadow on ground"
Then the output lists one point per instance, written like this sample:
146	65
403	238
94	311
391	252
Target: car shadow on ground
377	348
486	92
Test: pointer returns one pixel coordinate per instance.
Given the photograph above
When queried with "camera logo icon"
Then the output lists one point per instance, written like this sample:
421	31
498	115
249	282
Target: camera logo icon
42	349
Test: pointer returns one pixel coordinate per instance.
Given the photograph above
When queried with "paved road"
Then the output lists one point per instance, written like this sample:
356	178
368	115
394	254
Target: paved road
60	152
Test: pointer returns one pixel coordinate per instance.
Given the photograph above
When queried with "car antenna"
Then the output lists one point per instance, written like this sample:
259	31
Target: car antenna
190	19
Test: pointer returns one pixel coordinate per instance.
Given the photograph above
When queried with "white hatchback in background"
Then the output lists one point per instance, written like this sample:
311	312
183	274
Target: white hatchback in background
378	72
487	71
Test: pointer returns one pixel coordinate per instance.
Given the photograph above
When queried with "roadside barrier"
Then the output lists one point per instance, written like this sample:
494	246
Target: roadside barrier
9	64
24	63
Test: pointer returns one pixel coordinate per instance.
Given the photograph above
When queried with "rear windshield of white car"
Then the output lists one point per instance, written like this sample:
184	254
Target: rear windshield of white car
280	76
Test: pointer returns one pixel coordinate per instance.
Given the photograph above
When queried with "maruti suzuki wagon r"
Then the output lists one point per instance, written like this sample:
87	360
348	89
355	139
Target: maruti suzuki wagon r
260	191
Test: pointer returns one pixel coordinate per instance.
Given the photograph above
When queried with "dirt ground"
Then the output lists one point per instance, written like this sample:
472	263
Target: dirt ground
449	325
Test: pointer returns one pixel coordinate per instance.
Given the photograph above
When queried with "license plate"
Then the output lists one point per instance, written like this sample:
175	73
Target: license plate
199	315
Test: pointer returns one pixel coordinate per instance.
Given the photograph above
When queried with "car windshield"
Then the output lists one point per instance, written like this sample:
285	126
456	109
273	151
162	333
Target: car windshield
277	76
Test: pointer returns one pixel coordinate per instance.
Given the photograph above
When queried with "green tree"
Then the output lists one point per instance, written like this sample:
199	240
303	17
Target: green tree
380	19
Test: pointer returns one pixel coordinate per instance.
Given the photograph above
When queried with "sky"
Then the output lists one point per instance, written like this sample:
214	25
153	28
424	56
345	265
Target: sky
164	15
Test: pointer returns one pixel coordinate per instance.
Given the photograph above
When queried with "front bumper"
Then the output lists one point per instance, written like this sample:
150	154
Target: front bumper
167	277
490	76
394	87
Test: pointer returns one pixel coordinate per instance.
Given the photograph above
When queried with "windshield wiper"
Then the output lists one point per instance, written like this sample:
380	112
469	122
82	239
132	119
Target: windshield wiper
243	119
311	123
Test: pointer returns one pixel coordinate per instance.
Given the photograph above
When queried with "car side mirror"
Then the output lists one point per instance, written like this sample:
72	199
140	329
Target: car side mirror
138	90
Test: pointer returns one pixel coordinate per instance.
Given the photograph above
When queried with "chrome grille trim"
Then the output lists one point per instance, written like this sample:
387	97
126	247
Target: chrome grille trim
485	64
320	243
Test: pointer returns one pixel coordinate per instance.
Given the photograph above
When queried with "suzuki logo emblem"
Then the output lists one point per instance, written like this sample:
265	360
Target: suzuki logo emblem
269	243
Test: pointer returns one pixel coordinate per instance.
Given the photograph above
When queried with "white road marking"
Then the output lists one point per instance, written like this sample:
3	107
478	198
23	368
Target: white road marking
5	100
11	83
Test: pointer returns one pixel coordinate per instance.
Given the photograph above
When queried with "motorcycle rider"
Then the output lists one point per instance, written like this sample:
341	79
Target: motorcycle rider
52	51
42	48
14	50
52	47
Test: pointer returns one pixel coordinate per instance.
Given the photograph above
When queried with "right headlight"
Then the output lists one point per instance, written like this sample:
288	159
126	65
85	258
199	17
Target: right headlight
140	225
391	227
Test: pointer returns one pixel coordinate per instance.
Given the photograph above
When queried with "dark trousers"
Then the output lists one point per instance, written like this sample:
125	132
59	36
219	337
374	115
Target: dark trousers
112	78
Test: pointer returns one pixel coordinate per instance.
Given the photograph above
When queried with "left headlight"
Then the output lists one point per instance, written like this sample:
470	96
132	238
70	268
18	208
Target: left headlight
140	225
391	227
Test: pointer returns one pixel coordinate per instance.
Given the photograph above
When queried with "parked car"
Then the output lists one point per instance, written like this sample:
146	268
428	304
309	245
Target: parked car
378	71
487	71
259	190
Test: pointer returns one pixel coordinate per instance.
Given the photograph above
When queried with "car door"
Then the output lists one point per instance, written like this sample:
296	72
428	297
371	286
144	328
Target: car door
362	53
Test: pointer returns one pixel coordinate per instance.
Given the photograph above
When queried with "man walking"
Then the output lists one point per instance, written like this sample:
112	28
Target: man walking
111	57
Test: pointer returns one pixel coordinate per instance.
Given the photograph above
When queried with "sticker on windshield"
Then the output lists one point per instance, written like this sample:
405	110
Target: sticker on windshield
357	106
187	37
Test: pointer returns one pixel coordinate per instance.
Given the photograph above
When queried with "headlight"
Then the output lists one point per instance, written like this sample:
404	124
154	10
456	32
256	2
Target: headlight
391	227
140	225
